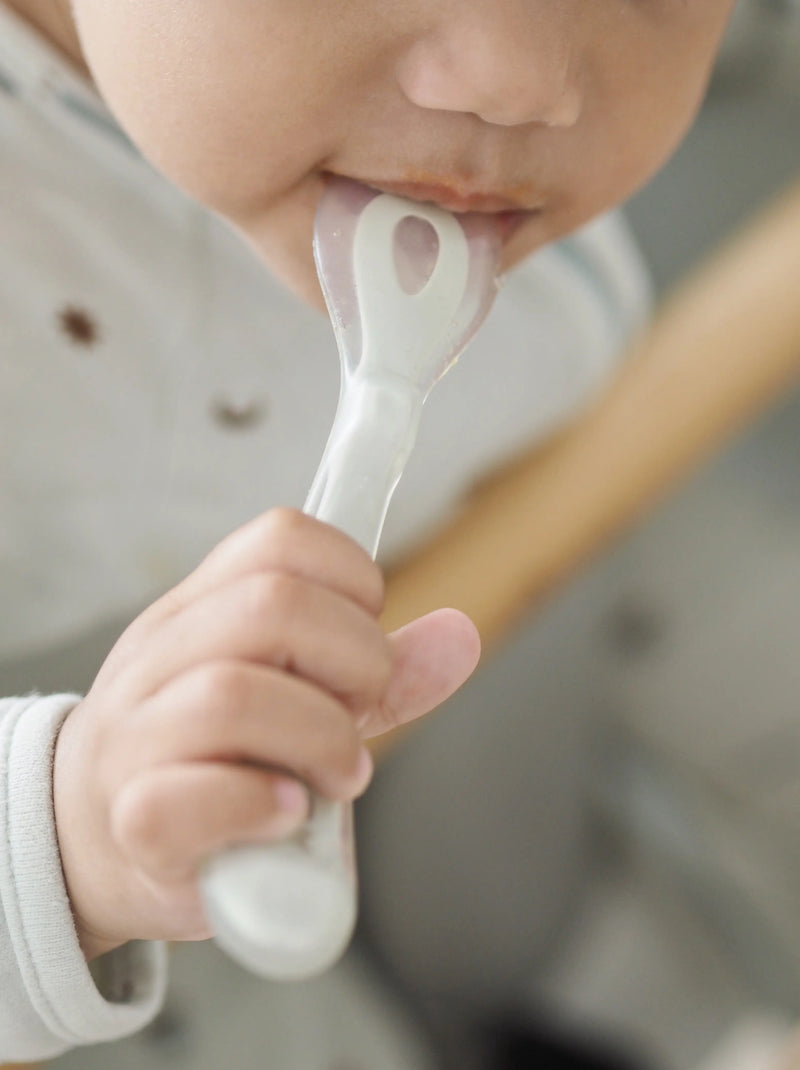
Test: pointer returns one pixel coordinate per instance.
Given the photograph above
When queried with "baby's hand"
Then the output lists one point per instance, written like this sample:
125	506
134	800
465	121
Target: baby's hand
255	678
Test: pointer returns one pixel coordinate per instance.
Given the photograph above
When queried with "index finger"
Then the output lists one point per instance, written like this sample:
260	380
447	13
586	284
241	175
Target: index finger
282	540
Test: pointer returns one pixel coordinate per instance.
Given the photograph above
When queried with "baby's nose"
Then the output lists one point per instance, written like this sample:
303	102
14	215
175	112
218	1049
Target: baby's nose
507	62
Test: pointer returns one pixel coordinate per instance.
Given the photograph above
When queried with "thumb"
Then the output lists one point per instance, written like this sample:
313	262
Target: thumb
433	656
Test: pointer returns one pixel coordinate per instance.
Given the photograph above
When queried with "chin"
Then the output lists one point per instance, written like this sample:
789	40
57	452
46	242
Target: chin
296	273
303	285
535	233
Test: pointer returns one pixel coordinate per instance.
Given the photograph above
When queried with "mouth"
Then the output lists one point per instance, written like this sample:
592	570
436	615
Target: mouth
508	212
454	200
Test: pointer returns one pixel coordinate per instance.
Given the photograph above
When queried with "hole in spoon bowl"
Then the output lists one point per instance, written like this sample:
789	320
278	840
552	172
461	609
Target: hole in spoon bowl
416	250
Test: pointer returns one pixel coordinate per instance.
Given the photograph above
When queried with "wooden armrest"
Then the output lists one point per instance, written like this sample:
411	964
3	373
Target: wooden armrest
725	345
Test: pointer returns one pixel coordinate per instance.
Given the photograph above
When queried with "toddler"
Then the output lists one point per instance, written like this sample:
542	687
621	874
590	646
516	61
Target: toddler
156	153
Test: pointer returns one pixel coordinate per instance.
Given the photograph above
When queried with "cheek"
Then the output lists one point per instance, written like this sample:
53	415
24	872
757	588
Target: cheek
282	237
642	93
647	87
662	92
208	112
638	118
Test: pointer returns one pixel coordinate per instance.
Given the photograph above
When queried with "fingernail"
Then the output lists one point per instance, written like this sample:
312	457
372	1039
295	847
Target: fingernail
291	796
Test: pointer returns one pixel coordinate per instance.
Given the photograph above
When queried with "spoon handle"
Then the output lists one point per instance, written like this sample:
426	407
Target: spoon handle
287	911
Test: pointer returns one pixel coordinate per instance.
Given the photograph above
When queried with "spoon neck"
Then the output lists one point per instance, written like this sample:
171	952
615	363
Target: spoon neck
371	439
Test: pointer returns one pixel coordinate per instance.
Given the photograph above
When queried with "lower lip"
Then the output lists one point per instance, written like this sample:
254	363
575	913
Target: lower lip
507	220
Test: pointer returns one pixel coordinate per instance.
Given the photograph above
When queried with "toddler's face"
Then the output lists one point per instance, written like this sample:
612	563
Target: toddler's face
543	112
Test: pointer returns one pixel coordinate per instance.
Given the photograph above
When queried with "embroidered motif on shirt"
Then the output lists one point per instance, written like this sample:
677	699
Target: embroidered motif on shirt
79	326
237	415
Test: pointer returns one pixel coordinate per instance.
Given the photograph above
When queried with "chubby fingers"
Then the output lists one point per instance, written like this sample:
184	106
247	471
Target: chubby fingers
235	712
274	620
288	542
170	818
283	543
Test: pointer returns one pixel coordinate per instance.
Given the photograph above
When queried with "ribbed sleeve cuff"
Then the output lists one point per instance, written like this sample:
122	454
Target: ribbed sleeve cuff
49	1001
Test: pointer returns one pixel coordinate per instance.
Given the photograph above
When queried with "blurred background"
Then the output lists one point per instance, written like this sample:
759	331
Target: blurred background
652	783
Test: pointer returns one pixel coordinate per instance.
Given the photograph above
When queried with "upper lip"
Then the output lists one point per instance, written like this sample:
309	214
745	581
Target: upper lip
453	198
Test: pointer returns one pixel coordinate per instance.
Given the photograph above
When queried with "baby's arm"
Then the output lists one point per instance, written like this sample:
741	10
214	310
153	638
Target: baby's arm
257	676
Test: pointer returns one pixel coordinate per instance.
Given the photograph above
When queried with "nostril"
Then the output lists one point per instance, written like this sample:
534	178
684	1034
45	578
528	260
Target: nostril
416	250
533	97
508	71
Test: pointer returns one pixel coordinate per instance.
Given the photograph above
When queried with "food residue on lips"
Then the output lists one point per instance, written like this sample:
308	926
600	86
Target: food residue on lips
517	196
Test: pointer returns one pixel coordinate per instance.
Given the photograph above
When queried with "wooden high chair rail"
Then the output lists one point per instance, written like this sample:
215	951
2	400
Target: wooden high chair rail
722	348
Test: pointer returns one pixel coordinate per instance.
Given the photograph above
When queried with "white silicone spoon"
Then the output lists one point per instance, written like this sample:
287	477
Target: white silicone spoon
407	285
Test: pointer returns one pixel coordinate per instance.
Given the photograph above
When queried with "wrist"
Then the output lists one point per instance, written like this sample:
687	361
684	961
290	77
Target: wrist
74	834
92	945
